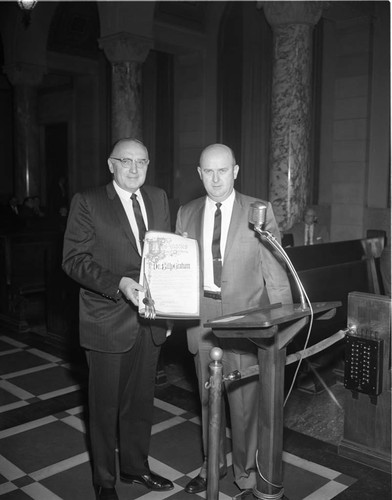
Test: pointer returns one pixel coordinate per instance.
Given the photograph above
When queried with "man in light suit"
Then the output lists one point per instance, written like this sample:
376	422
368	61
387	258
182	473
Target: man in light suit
102	252
251	276
308	231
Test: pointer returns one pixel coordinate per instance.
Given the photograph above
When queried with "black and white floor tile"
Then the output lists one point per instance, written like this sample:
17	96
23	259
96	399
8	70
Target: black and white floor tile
44	446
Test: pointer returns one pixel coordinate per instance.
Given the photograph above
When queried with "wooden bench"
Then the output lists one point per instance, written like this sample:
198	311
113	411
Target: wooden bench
24	270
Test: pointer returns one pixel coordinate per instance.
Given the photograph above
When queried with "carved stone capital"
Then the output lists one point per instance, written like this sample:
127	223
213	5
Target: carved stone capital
24	74
281	13
123	46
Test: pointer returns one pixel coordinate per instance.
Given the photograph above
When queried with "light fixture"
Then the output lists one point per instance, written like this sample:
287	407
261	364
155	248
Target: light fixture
27	6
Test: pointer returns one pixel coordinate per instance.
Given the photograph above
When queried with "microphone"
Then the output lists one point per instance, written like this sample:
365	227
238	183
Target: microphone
258	214
257	217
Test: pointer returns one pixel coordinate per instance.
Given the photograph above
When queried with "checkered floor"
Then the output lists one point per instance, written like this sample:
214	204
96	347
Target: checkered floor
46	458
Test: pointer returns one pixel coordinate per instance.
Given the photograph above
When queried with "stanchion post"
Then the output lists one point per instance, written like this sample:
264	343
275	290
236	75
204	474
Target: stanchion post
214	422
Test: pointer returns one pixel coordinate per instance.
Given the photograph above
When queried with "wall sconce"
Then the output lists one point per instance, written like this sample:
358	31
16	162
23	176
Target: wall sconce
27	6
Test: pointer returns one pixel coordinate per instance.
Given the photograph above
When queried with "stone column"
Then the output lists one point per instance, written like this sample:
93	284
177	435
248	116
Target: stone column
126	53
25	78
292	24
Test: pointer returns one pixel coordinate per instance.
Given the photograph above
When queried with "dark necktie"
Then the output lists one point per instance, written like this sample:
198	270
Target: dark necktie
216	253
139	219
307	239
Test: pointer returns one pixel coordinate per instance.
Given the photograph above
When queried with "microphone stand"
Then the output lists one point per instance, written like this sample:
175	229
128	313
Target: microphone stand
274	242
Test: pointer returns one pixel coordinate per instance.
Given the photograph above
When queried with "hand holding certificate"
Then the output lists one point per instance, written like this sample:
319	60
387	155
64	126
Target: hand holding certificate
170	275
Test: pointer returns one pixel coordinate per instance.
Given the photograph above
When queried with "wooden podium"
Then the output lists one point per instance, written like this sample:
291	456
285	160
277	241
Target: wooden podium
271	329
367	409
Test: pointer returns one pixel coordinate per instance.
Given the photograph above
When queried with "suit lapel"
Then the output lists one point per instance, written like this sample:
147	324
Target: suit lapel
197	220
149	208
199	215
235	222
121	215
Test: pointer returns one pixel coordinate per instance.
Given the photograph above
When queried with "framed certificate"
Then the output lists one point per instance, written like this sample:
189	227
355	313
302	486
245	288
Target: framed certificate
170	274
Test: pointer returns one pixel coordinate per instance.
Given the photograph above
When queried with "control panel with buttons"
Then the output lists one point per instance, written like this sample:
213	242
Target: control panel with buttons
363	362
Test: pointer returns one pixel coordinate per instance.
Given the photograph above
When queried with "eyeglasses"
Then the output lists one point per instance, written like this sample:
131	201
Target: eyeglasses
127	162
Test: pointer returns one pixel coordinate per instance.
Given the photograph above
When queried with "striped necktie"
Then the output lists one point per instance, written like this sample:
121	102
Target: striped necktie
139	219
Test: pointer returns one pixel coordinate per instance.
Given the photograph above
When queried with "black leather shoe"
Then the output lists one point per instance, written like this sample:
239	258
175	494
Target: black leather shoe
102	493
199	484
151	481
196	485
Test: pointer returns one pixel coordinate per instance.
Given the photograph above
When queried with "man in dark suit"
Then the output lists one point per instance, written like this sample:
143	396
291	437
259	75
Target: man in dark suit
308	231
249	276
102	252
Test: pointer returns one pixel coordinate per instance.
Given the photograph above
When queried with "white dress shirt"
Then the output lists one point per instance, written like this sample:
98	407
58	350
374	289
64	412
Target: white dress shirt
309	229
208	230
125	198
